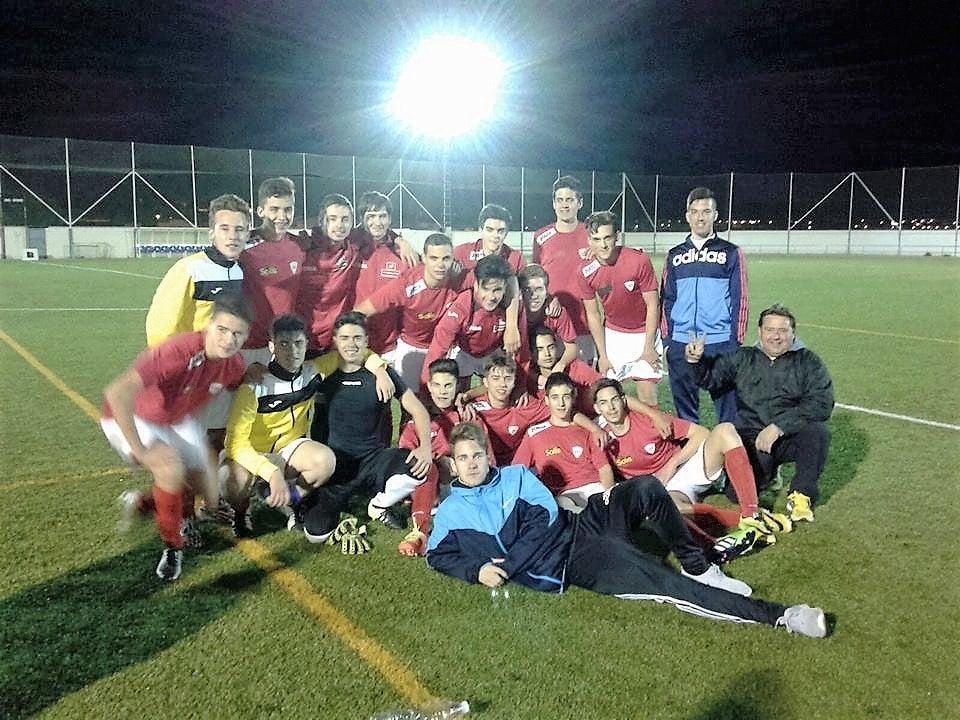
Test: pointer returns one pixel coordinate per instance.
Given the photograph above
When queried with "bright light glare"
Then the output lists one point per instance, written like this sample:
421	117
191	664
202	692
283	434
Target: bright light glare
448	87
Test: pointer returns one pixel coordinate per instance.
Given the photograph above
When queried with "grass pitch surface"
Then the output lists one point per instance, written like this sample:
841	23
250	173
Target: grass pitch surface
277	628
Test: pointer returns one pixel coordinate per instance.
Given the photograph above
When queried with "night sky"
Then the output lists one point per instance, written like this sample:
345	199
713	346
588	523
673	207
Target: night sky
681	88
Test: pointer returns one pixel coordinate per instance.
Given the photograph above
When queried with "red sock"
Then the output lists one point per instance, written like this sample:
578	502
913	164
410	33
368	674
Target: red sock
726	518
169	515
700	536
424	498
741	477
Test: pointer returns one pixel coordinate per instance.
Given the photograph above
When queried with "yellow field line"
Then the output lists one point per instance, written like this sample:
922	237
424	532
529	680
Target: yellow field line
365	646
882	334
80	401
375	655
62	479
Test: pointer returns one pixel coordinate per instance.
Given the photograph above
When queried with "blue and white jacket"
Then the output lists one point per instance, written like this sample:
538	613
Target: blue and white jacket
511	516
705	292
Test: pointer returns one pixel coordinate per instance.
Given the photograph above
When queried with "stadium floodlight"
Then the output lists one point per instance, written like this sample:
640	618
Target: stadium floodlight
447	88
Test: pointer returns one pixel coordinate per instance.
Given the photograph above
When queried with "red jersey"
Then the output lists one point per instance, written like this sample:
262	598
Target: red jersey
582	375
421	306
467	255
563	458
271	280
641	450
476	331
561	255
327	287
620	287
379	264
179	379
440	426
506	426
561	325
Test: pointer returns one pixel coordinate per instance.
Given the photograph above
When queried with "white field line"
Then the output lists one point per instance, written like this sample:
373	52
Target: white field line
895	416
104	270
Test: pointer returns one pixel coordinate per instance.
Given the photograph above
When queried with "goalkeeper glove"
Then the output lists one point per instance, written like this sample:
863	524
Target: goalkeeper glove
415	543
351	538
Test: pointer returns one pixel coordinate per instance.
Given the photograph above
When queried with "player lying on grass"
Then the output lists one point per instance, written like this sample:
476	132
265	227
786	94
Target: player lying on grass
150	416
687	462
503	525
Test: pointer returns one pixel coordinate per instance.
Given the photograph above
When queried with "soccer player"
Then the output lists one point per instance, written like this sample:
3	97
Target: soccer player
363	462
149	416
621	279
474	324
384	255
534	289
561	248
421	295
266	433
494	225
687	462
704	292
330	272
272	262
784	396
562	455
505	420
444	376
183	301
502	525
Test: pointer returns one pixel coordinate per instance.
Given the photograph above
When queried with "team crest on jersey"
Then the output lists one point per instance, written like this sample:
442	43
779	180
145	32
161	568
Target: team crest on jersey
582	252
629	285
590	268
513	429
267	271
577	451
390	270
293	266
650	448
196	361
341	264
453	314
216	388
418	287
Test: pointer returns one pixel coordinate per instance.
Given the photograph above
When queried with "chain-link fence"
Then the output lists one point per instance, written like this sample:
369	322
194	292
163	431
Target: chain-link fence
156	195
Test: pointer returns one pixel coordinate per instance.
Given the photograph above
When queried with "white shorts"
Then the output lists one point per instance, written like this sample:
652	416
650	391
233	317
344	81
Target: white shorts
408	362
187	437
691	479
575	500
468	364
623	351
216	413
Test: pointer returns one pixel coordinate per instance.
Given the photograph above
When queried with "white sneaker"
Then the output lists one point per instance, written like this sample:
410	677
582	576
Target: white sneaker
171	561
714	577
804	620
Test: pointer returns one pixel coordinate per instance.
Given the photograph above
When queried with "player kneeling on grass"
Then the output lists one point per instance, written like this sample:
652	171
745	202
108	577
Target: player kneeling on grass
687	462
266	434
149	416
502	524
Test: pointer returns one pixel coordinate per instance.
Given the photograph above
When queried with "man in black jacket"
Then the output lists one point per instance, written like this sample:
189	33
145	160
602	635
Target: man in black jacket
784	397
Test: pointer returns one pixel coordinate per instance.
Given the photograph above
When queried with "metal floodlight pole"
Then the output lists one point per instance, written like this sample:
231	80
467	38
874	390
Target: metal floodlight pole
303	180
789	210
523	198
483	185
250	175
193	184
903	185
3	222
66	157
956	217
623	201
353	185
656	208
400	204
133	184
730	208
850	217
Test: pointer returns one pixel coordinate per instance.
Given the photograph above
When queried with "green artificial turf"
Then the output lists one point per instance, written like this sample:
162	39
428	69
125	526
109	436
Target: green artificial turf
87	631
